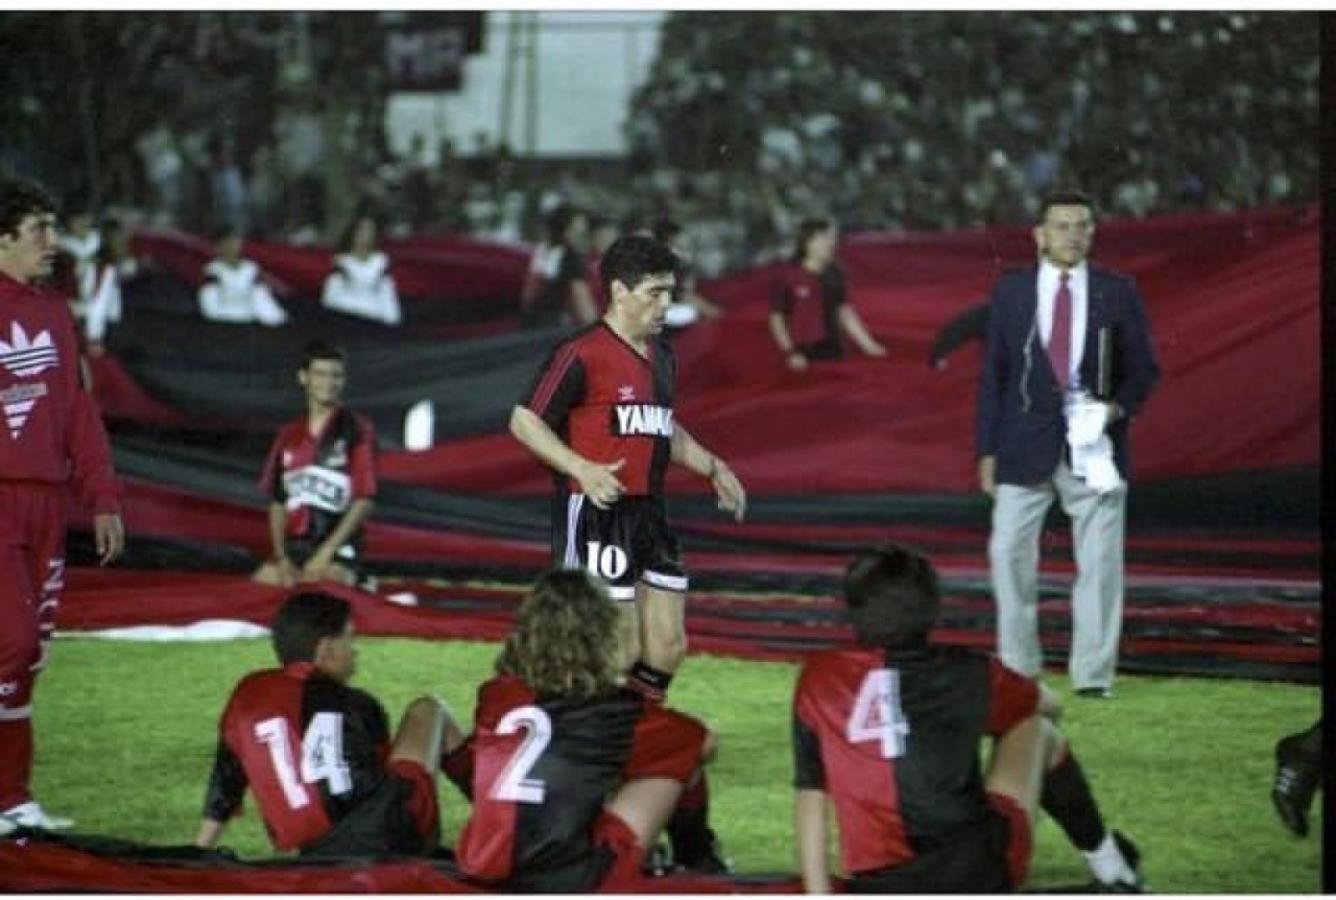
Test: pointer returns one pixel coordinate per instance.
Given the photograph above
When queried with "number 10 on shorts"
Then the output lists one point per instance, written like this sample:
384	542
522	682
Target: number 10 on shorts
607	561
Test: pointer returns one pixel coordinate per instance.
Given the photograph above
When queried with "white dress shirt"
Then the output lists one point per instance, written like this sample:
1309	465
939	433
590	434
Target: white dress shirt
1079	285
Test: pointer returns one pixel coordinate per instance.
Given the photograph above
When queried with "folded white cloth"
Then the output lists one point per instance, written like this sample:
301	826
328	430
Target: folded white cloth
1092	449
1086	420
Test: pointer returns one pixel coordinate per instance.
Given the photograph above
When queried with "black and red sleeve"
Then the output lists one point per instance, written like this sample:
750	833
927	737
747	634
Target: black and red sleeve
1012	697
271	479
559	386
227	785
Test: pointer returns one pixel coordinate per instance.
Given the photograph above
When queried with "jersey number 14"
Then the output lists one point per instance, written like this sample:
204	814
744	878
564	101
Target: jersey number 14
877	714
322	756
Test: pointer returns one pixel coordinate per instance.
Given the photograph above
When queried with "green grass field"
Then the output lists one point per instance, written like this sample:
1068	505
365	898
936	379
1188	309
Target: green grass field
126	734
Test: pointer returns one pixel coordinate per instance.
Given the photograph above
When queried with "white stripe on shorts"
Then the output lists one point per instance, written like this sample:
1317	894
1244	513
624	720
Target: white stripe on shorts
574	503
676	583
15	714
621	592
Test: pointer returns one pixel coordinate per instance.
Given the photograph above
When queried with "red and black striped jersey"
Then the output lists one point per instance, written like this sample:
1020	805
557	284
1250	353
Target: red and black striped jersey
309	747
317	476
543	769
810	302
893	737
607	402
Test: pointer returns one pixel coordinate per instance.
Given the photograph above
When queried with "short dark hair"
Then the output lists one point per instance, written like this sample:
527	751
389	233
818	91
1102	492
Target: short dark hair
808	229
304	620
892	596
1065	197
315	350
20	198
634	257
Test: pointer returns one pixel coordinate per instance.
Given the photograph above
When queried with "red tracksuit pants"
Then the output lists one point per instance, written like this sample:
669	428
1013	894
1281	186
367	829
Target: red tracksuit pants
32	573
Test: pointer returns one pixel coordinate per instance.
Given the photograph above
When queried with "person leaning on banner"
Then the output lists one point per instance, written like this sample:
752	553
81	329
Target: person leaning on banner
1068	363
321	480
809	306
360	283
234	289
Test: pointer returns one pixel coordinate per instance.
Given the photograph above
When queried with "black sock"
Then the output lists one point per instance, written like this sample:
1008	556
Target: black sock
1067	798
689	828
647	680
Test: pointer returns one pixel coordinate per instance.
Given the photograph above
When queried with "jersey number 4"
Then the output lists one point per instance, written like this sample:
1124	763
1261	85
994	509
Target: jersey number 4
877	714
514	784
322	756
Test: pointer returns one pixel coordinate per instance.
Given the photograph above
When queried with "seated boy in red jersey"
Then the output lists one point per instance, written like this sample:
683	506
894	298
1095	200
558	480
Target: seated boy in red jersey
317	753
574	774
889	731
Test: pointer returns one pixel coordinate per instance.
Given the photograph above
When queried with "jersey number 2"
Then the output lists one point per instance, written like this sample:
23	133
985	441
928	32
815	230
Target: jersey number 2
514	784
322	756
877	714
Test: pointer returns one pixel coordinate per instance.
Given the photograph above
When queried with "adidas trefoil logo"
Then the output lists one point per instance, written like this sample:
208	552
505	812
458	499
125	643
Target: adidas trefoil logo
24	358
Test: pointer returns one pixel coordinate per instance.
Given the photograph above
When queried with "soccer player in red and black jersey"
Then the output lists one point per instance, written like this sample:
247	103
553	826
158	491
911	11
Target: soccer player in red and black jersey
600	412
321	480
573	774
808	307
51	440
889	731
317	753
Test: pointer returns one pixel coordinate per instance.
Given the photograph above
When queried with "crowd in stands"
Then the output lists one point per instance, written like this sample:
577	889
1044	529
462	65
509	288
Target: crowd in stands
911	121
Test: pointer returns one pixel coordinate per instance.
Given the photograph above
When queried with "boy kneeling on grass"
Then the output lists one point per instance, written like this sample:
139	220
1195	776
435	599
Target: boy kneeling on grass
317	753
889	730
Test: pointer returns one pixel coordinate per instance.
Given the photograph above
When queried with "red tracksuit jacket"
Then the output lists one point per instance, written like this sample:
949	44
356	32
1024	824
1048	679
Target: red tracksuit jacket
50	429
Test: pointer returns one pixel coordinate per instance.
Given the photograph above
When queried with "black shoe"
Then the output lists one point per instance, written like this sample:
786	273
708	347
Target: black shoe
1295	782
712	862
1095	693
1132	856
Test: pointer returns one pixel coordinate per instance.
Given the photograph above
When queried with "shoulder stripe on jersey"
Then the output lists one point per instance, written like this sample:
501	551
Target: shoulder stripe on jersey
555	374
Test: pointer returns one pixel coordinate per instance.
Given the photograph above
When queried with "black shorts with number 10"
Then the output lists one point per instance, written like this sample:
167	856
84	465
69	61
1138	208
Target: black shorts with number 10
626	543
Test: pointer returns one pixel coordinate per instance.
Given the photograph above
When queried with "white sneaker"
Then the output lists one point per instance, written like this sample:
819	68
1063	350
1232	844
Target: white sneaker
31	815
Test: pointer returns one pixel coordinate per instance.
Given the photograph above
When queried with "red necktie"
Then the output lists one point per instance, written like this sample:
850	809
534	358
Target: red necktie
1060	338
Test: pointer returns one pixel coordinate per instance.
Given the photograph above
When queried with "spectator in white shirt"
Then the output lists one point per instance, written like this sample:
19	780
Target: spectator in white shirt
234	289
361	284
81	242
112	264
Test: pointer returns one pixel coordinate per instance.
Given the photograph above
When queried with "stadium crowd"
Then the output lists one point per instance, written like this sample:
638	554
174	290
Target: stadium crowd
907	121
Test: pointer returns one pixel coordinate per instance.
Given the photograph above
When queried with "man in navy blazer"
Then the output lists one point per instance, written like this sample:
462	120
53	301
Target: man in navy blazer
1063	336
